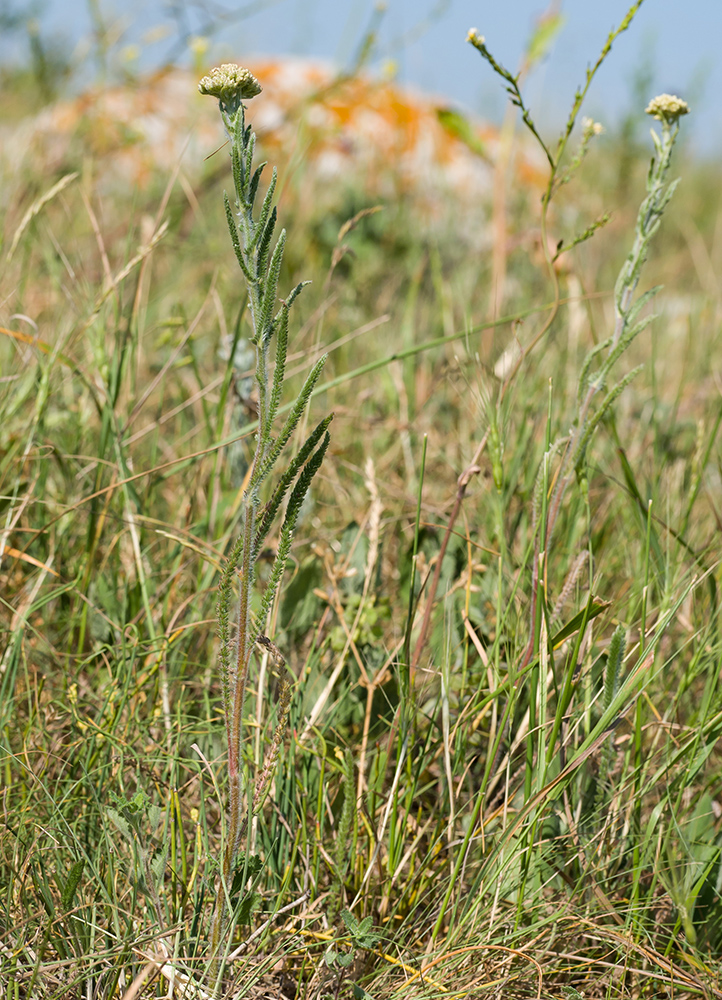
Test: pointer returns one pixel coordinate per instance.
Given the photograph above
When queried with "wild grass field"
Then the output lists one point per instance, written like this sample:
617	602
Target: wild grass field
481	752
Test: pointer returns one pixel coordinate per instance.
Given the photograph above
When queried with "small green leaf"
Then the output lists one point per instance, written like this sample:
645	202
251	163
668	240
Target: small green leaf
157	865
117	820
247	907
245	870
459	127
572	994
572	626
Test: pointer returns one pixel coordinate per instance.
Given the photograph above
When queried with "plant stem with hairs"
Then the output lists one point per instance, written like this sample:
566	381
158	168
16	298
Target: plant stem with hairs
554	158
260	264
598	364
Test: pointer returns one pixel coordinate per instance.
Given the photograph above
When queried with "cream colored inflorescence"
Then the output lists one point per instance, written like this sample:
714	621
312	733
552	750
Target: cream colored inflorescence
231	84
667	108
591	127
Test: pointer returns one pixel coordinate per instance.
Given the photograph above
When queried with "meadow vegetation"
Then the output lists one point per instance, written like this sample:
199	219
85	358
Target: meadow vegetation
480	751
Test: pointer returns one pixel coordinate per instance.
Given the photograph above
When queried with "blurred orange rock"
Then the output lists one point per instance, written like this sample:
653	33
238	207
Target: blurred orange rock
391	140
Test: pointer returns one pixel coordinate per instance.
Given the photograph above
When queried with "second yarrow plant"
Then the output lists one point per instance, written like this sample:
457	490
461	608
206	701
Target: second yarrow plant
260	262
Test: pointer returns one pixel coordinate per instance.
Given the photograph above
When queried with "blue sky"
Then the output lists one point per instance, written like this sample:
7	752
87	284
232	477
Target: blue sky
675	44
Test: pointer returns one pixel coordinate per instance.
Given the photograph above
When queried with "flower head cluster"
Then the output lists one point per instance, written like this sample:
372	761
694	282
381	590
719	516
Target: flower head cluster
591	127
231	84
667	108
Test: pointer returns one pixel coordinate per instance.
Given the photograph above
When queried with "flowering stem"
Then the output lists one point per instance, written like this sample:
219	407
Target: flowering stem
260	264
627	326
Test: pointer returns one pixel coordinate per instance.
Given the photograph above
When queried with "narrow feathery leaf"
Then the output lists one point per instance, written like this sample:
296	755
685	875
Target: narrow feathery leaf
284	543
253	186
233	230
296	292
248	151
285	481
264	242
595	420
279	368
270	290
584	374
626	338
639	304
291	421
264	214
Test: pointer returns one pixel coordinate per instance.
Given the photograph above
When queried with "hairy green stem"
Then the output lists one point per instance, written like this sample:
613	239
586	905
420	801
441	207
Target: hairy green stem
260	264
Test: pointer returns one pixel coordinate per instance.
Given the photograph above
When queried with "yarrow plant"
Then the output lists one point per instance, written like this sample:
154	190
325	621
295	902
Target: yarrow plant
260	263
599	363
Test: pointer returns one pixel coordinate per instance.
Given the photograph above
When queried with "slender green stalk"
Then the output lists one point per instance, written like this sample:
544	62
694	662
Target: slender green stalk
405	679
627	327
260	264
